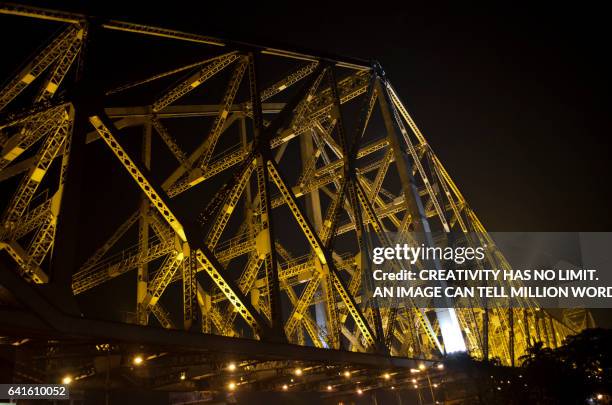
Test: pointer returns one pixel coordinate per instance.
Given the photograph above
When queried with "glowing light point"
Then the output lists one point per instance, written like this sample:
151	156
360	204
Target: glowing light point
138	360
66	380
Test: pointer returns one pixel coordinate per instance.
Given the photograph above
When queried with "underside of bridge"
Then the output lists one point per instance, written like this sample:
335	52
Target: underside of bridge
191	222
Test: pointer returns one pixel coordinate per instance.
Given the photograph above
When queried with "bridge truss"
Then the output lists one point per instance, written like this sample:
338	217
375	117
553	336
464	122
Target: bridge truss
253	198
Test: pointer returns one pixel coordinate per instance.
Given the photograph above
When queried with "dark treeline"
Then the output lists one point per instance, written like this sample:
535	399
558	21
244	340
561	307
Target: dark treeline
578	372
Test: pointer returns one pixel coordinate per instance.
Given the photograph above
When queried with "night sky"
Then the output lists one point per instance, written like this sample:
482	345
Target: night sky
514	101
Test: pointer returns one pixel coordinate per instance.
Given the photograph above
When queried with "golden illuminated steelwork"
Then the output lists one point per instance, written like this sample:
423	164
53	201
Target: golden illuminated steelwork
234	246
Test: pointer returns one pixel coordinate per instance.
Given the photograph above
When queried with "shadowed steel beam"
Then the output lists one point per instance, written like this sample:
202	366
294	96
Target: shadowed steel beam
46	14
57	323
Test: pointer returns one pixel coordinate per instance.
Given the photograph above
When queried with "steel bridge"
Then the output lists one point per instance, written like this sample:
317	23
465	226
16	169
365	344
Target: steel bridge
219	207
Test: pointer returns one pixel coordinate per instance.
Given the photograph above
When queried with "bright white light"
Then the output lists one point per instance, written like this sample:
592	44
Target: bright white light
138	360
440	366
231	386
285	387
347	374
298	372
387	376
359	391
66	380
231	367
451	331
329	388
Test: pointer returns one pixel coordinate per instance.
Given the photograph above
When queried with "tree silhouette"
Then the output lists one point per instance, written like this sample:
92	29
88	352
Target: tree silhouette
573	373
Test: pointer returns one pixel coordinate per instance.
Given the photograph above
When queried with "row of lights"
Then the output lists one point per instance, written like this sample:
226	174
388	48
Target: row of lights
298	372
284	387
137	361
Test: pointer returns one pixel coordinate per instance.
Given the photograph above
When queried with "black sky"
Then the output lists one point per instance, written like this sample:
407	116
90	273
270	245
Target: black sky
515	102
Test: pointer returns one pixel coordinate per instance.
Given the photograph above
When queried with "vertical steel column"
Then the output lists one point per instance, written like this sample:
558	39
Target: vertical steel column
536	321
262	147
552	332
447	318
142	279
350	178
313	211
189	267
545	328
485	333
527	331
244	140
